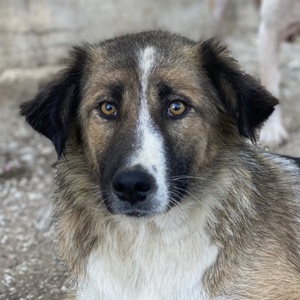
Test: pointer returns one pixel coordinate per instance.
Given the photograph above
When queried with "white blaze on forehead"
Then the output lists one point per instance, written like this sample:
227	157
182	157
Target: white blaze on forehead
149	151
146	65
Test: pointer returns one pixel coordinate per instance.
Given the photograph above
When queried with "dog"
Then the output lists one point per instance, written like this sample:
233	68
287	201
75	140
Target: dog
279	22
162	192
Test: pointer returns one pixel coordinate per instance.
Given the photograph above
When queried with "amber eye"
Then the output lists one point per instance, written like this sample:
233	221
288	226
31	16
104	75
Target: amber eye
177	109
108	109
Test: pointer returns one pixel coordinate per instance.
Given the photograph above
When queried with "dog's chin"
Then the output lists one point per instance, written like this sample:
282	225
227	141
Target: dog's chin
138	214
135	213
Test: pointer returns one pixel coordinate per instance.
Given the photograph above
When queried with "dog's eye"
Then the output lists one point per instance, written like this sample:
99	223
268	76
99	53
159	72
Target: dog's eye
108	109
177	109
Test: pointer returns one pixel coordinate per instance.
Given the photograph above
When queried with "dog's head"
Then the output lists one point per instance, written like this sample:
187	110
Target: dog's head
147	112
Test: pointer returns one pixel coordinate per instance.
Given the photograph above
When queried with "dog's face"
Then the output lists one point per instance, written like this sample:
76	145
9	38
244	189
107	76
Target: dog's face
147	112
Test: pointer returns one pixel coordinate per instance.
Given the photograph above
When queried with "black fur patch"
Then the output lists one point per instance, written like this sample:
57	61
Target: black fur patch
247	102
295	160
54	108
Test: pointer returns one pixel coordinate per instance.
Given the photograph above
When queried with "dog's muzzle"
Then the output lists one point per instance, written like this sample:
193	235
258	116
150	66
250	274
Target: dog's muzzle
133	192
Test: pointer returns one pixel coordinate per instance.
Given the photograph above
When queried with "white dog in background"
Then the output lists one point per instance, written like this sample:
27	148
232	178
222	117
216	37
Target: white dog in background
279	22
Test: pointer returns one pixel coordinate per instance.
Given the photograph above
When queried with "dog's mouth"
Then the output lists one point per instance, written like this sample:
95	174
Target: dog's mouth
149	207
137	214
139	209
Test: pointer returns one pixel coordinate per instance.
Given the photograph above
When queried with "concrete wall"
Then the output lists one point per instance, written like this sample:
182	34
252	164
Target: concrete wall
36	33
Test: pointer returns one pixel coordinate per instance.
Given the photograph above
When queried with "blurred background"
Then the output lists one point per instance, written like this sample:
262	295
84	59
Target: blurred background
35	36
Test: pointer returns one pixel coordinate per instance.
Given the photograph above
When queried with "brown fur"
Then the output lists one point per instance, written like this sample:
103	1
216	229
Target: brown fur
252	196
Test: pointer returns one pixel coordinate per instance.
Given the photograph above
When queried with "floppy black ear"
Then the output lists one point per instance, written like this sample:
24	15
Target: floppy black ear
53	110
247	102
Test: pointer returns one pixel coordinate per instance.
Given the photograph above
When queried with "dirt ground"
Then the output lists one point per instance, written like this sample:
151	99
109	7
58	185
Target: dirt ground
29	267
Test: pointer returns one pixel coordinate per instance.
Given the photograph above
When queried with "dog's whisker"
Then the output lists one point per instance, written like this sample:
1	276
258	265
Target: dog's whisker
181	190
184	178
175	202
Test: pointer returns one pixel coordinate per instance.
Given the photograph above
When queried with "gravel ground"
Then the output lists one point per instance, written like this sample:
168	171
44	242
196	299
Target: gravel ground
29	268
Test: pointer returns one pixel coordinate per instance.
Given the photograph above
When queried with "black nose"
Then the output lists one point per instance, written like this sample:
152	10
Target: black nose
132	186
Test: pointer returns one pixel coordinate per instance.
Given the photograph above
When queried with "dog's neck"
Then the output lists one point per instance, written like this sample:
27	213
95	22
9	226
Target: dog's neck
141	260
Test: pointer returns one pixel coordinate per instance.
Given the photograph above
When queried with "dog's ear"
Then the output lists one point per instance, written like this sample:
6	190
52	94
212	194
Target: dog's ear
53	110
247	102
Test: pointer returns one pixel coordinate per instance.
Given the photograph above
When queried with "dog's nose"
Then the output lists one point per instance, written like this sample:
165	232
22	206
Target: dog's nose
132	186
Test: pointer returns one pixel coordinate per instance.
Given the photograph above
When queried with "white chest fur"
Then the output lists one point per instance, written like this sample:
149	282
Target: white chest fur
140	261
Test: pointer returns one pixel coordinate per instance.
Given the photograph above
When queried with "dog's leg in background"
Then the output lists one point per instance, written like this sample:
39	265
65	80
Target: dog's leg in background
269	56
273	132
